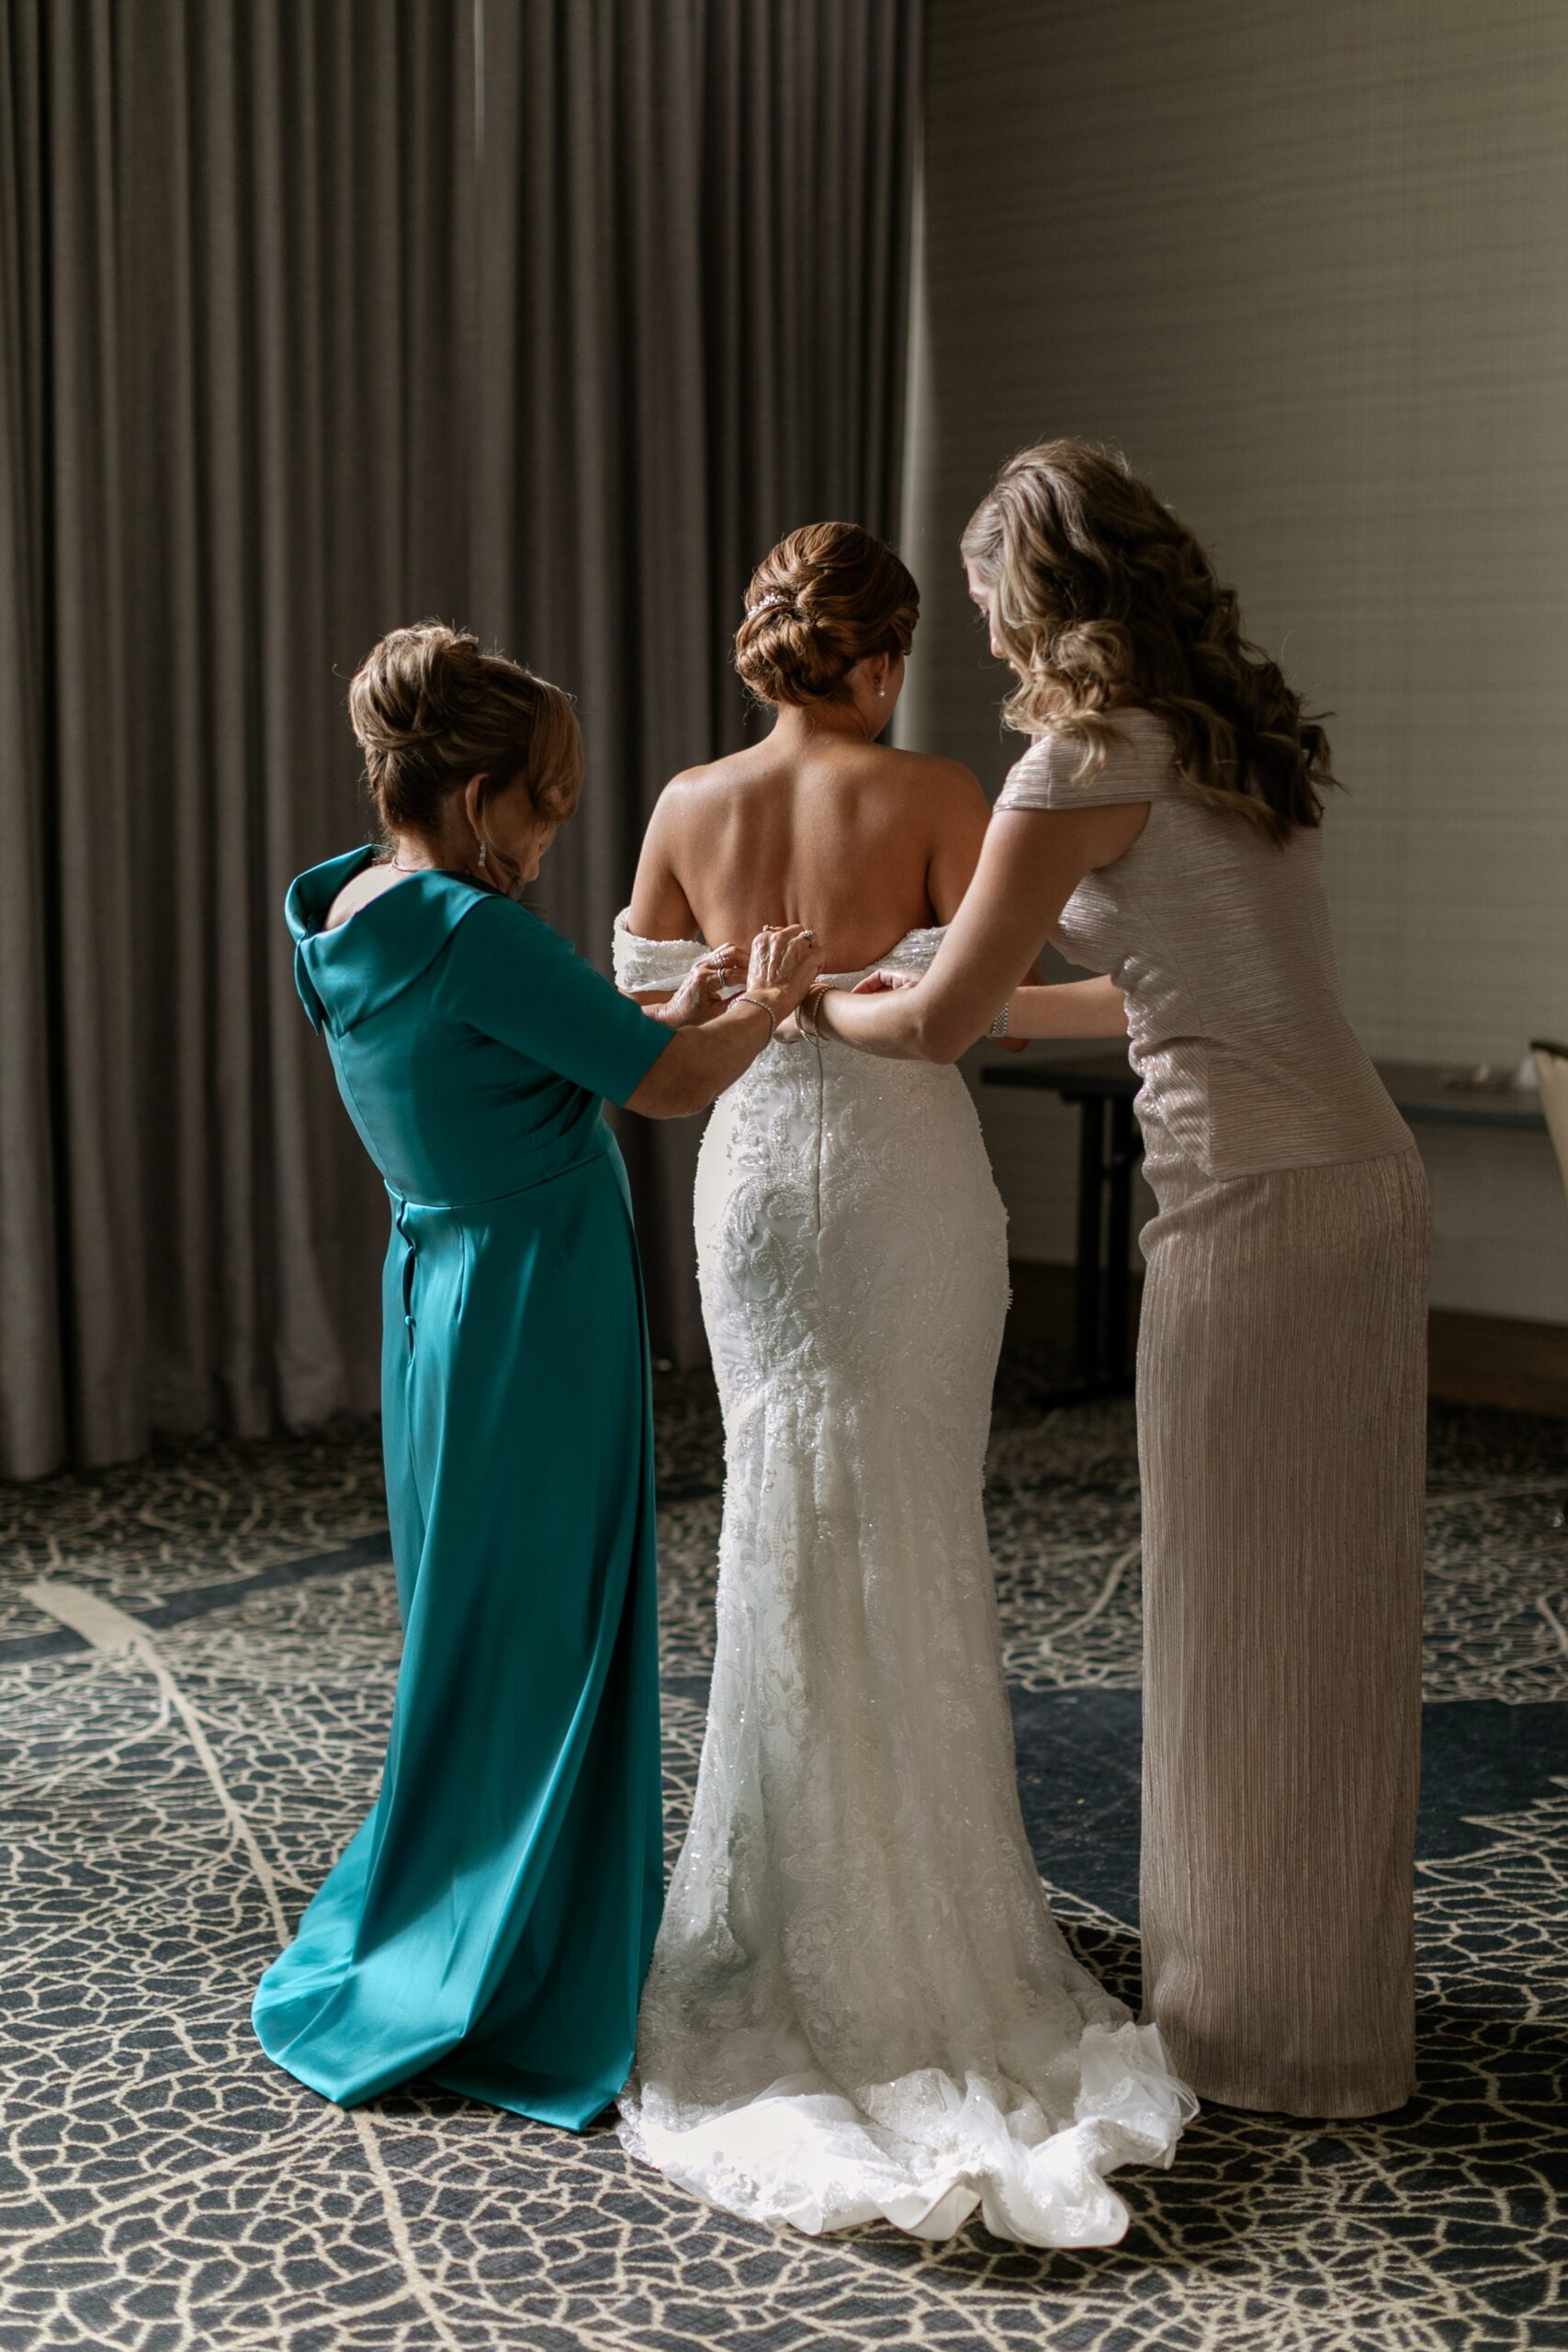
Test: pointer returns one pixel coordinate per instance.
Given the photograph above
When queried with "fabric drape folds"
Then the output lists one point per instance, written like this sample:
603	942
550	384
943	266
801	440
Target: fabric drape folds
313	320
228	250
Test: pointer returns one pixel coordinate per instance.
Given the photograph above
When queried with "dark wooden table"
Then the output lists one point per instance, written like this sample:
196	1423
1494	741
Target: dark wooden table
1102	1084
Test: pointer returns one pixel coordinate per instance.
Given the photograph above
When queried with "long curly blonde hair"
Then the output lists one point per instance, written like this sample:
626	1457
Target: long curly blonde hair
1103	597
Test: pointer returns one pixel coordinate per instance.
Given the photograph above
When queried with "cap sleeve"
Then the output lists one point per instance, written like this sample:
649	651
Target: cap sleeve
512	977
648	964
1137	766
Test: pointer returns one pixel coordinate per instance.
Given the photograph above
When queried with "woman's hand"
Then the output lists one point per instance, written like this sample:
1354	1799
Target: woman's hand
786	959
707	1056
701	994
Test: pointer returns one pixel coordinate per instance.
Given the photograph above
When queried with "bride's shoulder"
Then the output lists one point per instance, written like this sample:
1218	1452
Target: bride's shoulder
692	782
947	784
937	769
694	788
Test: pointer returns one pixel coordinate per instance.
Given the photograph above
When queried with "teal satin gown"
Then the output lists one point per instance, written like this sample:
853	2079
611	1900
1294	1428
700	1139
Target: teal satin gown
490	1926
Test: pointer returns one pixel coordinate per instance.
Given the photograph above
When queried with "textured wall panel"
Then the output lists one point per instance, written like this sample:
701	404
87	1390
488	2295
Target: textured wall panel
1308	264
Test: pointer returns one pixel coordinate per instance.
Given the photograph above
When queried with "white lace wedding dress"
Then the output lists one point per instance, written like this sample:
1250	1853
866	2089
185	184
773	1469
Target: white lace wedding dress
860	2004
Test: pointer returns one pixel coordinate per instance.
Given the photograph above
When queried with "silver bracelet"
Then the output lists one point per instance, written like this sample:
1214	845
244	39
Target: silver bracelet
772	1020
999	1025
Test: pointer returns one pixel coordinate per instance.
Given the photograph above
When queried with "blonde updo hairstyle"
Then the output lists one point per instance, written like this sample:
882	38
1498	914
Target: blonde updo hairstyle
429	711
827	596
1103	596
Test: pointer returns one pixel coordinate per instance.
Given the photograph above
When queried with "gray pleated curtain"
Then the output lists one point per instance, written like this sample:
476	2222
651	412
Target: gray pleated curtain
317	315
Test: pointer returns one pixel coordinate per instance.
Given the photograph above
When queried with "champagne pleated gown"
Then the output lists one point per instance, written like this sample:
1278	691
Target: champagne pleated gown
491	1924
1281	1425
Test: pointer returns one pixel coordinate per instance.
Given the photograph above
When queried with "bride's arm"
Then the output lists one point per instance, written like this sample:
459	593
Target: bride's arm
660	910
1032	861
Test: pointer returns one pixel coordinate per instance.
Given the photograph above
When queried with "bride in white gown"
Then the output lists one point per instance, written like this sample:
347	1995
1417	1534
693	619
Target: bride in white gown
860	2004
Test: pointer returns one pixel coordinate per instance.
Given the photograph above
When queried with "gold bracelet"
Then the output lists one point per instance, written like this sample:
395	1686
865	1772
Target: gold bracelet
807	1011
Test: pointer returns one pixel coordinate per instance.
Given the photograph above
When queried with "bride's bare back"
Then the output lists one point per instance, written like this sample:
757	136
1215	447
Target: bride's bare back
816	825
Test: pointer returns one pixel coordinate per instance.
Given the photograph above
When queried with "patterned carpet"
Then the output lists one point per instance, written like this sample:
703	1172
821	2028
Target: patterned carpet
180	1769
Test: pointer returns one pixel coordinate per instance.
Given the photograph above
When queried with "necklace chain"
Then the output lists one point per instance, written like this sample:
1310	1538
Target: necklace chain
398	866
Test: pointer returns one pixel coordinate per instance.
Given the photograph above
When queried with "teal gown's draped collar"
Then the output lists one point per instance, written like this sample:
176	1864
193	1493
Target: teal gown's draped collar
343	976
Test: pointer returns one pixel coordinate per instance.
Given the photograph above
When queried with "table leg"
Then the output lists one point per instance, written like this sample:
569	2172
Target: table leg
1086	1297
1119	1240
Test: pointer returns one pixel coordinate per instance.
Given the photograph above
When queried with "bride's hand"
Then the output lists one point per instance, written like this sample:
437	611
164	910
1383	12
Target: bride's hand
700	993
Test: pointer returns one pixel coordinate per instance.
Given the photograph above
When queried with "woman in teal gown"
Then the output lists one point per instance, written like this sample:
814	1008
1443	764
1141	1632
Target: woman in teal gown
489	1925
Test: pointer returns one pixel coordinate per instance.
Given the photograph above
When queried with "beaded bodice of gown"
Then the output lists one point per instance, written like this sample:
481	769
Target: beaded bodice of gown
859	2003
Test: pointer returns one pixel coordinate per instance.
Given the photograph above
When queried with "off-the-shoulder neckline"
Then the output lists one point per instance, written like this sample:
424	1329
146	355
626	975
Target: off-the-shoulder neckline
918	932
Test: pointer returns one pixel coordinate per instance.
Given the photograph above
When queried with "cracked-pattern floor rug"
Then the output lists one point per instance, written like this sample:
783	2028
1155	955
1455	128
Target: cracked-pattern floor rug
196	1659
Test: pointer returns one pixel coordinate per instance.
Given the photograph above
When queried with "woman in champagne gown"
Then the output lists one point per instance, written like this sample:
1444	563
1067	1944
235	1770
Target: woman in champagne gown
860	2004
1163	828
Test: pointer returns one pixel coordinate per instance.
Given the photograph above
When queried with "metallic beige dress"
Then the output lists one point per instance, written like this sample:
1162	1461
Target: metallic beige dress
1282	1423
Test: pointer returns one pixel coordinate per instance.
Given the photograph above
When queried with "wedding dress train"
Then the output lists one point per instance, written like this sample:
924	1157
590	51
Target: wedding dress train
860	2004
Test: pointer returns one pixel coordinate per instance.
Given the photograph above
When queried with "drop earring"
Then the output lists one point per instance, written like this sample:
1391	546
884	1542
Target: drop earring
484	855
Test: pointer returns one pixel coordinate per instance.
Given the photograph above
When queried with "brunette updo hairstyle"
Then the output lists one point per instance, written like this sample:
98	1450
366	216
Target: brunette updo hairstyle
826	597
429	711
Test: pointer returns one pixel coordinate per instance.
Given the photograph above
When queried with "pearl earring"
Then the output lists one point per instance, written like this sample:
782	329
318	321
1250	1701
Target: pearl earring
484	855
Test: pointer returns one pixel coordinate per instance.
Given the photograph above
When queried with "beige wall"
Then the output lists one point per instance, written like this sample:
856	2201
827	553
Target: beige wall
1307	262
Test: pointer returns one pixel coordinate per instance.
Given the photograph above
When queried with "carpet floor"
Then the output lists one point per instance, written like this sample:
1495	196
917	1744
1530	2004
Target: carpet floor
196	1660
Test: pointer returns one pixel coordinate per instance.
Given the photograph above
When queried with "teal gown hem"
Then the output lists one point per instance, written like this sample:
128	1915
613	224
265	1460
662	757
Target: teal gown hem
568	2106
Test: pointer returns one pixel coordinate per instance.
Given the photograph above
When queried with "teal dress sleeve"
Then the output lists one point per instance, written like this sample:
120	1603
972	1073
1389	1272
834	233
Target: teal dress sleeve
512	977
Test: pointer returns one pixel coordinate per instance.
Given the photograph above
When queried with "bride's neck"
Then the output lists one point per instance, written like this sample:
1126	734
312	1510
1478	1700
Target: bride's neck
798	725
